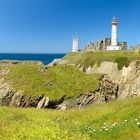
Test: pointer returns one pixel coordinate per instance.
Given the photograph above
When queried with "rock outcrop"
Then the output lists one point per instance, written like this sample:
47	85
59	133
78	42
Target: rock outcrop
43	103
107	88
129	83
107	91
5	96
114	84
57	62
9	97
108	68
79	101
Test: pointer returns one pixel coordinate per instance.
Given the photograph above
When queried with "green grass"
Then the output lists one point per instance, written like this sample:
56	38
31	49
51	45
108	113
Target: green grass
65	80
89	58
75	124
122	61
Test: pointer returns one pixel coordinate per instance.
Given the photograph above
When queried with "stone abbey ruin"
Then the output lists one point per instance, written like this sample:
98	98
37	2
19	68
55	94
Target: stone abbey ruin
101	44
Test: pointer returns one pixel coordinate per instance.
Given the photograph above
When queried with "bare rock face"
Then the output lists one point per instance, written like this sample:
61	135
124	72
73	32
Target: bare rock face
129	83
59	62
54	62
79	101
20	100
108	68
124	83
9	97
43	103
32	101
5	97
17	100
83	100
108	88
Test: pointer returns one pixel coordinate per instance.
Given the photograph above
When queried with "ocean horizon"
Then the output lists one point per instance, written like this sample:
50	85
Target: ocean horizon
46	58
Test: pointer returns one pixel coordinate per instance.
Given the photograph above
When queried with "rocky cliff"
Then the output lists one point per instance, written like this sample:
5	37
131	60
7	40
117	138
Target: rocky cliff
114	84
127	80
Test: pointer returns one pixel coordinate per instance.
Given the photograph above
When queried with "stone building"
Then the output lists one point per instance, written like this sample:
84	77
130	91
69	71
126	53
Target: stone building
90	46
101	44
123	45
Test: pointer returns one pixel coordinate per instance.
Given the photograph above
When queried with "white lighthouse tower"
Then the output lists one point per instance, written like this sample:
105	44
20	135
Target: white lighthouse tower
75	44
114	42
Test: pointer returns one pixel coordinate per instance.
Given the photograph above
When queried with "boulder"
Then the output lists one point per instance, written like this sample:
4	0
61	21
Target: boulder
6	96
79	101
46	103
20	100
17	100
55	62
43	103
49	83
32	101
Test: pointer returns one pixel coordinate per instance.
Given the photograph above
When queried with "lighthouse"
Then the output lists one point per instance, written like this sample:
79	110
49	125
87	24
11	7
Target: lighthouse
114	32
114	42
75	44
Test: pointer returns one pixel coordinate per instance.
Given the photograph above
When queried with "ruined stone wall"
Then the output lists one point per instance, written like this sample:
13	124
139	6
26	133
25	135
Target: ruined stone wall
123	45
90	46
101	44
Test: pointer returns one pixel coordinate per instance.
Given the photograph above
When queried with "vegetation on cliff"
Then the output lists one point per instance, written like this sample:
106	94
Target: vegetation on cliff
89	58
122	61
116	120
53	82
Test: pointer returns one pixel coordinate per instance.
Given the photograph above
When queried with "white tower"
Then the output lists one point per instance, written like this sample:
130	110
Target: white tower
114	32
75	44
114	43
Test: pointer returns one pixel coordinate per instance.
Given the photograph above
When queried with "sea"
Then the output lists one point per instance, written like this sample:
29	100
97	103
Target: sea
45	58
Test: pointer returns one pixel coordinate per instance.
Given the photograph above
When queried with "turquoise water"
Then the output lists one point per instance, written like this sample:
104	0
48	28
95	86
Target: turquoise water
45	58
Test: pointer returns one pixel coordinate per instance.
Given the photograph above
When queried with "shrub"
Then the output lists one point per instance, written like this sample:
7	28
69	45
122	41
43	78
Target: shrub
122	61
98	64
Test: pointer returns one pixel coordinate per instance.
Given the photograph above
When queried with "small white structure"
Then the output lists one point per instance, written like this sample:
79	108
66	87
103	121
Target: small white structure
75	44
114	42
111	48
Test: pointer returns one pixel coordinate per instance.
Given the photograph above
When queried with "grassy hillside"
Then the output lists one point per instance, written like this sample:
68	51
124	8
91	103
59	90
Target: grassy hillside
118	120
61	80
89	58
54	82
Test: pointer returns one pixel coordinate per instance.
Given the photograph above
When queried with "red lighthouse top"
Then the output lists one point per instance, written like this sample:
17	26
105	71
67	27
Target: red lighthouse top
114	21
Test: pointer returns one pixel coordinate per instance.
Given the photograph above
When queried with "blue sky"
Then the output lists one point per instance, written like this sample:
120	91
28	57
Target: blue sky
47	26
